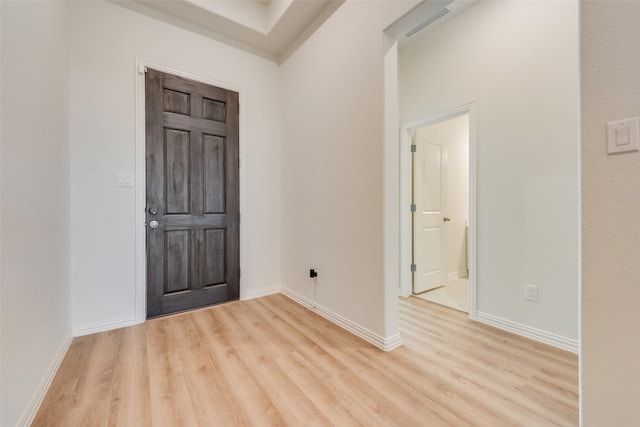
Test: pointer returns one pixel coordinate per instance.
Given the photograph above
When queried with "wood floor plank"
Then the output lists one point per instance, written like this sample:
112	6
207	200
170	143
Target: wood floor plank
169	397
208	334
231	349
272	362
292	404
130	386
492	378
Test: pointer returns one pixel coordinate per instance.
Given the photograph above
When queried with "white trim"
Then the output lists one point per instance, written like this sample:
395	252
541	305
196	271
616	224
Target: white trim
405	196
130	321
260	293
529	332
41	391
580	264
140	185
386	344
140	295
405	212
94	328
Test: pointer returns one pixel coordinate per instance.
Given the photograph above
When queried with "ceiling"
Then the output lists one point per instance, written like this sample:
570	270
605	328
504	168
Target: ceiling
270	28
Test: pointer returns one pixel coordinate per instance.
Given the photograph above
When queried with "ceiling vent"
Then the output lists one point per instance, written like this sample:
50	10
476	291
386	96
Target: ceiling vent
426	23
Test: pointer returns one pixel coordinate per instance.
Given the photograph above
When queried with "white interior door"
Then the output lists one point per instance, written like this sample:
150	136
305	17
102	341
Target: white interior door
429	239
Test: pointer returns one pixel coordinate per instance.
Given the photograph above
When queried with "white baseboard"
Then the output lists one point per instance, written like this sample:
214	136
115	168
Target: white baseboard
529	332
130	321
392	342
42	389
260	293
104	326
386	344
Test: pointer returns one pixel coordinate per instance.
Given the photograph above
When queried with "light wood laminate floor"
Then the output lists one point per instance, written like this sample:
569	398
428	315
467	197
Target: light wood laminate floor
271	362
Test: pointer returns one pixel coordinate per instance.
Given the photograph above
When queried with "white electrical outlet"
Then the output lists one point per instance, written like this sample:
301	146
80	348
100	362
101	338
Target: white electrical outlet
531	293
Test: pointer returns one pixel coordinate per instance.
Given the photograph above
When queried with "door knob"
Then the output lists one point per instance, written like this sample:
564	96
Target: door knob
153	224
153	210
445	219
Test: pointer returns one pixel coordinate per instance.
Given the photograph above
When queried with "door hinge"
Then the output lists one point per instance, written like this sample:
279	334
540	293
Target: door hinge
413	267
413	148
413	207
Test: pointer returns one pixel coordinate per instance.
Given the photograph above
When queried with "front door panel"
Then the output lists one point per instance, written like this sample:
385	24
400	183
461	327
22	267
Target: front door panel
193	213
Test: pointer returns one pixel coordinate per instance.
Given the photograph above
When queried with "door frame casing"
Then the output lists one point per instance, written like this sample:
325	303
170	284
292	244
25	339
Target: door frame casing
141	65
406	238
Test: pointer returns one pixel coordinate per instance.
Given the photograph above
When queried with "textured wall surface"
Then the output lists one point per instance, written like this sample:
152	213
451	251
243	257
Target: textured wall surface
36	300
332	163
611	217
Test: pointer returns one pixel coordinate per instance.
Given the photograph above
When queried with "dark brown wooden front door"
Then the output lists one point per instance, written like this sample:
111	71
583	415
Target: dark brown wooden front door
193	247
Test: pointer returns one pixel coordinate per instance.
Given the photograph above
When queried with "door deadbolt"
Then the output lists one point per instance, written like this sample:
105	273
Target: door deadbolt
153	224
153	210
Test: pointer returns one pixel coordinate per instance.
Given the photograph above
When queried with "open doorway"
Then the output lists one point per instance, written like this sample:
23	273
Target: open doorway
440	212
438	205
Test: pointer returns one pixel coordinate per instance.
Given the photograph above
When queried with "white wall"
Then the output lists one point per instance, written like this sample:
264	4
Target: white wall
106	40
519	62
611	213
332	164
36	300
453	136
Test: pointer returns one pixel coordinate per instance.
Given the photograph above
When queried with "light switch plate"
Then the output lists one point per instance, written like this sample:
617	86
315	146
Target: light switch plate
622	136
531	293
124	180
